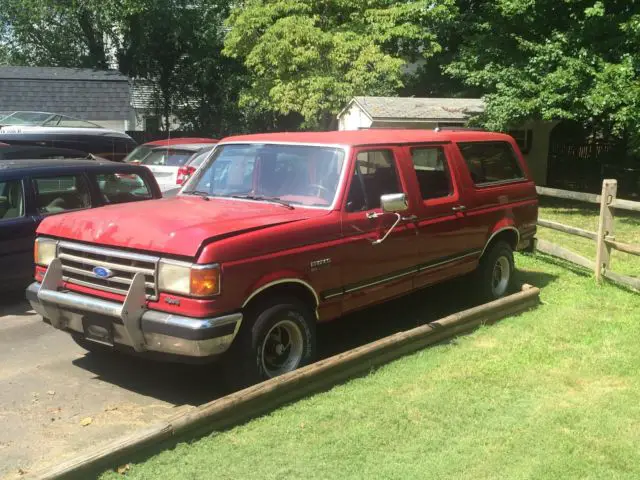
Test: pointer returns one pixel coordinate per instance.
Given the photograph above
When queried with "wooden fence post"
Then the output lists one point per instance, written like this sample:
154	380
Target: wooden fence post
605	226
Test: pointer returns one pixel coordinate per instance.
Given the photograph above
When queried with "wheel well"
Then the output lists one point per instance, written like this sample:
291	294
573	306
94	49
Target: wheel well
289	289
509	235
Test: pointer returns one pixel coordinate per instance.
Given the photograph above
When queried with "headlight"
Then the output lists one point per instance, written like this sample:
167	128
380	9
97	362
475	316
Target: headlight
188	278
44	251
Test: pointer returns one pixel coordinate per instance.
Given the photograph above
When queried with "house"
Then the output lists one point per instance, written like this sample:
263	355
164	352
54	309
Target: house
429	113
99	96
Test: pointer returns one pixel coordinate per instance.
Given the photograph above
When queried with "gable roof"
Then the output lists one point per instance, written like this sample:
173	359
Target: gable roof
61	73
420	109
78	92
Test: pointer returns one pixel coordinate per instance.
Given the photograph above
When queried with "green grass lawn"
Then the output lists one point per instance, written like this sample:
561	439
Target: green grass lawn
585	215
552	393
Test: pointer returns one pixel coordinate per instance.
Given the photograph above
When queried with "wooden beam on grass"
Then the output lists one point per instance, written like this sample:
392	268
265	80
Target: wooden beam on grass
630	282
564	254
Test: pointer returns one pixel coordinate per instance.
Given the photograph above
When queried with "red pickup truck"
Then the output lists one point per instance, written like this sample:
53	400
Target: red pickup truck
277	232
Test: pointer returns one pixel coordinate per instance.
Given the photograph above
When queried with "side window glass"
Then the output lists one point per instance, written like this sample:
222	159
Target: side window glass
374	175
61	193
432	171
491	162
123	187
11	200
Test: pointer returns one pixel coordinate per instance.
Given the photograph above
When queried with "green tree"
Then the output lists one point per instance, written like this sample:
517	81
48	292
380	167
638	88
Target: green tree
551	60
309	57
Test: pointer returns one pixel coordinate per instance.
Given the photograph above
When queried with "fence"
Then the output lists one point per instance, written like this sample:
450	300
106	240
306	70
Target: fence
604	237
151	136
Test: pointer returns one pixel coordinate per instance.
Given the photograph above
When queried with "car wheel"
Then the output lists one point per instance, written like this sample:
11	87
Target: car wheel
495	273
276	337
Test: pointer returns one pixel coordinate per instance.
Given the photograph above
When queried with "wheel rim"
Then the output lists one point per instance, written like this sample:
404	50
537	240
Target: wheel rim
282	348
500	276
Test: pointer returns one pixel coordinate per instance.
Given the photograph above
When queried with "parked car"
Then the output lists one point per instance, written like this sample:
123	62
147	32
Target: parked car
143	150
277	232
172	165
61	131
34	152
31	190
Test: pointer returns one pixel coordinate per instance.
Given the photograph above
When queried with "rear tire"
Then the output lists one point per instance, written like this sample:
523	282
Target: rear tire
277	337
495	272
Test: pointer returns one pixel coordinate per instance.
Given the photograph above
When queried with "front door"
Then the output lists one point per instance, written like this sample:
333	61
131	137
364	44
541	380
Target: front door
375	272
17	234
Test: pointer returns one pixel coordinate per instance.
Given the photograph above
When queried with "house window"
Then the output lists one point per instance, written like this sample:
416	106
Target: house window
152	124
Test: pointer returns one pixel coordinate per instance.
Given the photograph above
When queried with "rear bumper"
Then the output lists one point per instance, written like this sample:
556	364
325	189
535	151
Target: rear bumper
132	325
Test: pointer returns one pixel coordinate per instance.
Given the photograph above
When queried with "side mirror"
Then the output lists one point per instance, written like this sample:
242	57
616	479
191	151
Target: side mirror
394	203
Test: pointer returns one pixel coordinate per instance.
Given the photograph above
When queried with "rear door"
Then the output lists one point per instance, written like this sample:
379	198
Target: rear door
372	273
17	234
443	231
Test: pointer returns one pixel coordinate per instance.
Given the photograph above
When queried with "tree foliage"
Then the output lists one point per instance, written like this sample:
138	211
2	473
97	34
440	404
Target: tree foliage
310	56
552	60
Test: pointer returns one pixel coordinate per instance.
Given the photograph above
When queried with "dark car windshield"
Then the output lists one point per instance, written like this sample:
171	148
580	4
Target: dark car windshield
298	174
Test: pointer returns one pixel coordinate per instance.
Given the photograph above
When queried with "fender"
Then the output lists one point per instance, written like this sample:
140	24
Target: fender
278	279
503	225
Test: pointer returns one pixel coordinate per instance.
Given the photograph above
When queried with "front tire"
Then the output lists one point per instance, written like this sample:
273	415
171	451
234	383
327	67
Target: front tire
495	272
277	337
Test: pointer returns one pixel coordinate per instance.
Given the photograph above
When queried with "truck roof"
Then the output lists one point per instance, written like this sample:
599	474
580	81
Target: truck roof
370	137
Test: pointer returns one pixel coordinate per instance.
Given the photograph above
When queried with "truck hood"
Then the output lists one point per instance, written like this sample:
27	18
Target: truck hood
175	226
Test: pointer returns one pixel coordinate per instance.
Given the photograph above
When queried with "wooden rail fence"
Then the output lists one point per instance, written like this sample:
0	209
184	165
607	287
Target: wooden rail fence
604	237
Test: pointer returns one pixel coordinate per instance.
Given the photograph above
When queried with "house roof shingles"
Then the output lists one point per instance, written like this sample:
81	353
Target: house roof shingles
83	93
410	108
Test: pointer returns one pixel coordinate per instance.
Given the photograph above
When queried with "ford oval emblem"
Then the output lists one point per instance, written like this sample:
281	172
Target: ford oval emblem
102	272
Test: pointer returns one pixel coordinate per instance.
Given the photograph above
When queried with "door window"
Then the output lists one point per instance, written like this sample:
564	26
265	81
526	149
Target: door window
123	187
491	162
61	193
431	168
11	200
374	175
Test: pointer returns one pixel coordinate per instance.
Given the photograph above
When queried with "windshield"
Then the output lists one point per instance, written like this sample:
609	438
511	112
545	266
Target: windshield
138	154
167	158
297	174
42	119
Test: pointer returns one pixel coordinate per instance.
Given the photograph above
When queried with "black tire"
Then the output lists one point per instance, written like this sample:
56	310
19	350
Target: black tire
254	358
497	256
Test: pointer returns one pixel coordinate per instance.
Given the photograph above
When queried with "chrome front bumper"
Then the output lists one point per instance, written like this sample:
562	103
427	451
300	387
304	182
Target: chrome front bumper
133	325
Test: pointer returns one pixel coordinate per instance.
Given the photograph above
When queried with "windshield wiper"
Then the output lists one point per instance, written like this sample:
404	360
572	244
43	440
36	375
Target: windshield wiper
199	193
265	199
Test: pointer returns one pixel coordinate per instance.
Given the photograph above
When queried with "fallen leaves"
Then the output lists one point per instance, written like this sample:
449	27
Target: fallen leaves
86	421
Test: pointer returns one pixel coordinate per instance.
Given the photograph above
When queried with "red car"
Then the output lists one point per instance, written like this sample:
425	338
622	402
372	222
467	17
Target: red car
277	232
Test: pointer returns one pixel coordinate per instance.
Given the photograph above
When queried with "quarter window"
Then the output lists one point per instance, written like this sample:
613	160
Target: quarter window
491	162
123	187
432	171
11	200
61	193
374	175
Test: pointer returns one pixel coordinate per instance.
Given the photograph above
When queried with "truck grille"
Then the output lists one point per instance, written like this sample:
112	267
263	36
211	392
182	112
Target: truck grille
78	262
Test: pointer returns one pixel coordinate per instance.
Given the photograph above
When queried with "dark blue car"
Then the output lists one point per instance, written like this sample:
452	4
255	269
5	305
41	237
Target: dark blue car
33	189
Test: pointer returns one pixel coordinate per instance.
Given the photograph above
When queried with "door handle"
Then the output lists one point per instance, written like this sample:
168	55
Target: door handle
459	208
410	218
